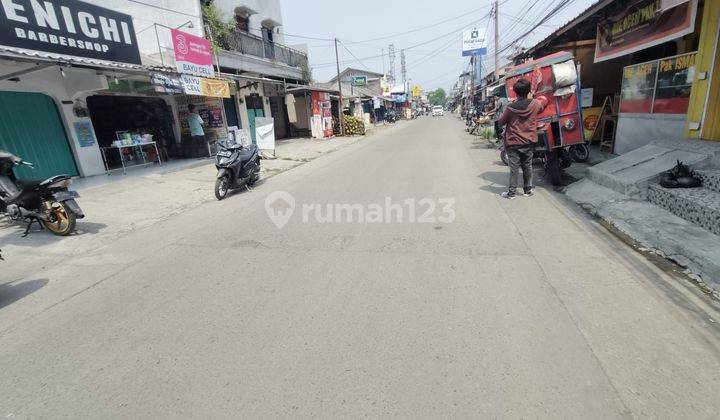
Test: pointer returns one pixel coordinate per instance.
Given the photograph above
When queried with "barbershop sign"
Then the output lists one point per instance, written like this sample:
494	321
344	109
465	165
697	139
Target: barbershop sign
68	27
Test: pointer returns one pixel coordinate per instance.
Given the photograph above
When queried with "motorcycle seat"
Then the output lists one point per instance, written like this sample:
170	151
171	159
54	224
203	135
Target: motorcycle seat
29	184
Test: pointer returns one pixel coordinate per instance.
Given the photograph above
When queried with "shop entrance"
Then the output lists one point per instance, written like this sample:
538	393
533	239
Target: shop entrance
120	116
255	109
31	129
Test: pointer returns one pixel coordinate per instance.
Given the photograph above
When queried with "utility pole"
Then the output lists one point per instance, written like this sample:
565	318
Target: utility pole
497	40
391	58
340	105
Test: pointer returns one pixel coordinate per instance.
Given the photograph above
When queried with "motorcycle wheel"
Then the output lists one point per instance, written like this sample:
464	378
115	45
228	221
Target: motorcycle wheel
552	168
580	153
222	186
62	221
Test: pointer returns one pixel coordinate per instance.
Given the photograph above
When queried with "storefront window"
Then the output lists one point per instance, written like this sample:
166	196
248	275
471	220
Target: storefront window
638	88
658	87
674	82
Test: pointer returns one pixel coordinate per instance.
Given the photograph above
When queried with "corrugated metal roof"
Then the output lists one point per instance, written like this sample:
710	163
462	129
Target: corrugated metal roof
46	56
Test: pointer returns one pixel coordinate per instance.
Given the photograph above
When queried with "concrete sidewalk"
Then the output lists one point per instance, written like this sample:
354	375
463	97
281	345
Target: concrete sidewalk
118	205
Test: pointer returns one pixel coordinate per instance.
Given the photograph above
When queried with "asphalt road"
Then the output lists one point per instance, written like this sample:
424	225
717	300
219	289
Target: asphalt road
522	308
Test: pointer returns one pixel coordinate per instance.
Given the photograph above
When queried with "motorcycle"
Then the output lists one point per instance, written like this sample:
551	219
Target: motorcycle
47	202
391	117
237	167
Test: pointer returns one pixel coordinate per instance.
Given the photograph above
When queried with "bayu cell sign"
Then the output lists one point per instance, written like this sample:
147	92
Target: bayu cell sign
68	27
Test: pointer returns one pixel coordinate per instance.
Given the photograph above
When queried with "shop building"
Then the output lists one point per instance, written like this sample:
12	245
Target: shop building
256	55
649	64
57	63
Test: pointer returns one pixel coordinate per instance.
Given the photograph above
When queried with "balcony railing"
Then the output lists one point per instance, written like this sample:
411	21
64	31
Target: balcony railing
245	43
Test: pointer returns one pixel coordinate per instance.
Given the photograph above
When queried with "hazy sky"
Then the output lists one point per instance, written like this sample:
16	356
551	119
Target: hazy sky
437	22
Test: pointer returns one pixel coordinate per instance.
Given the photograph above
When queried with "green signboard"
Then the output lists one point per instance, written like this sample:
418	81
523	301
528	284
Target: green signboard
359	81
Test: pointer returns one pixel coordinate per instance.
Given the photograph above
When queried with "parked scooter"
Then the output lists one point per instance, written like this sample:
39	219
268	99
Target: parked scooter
47	202
237	167
391	117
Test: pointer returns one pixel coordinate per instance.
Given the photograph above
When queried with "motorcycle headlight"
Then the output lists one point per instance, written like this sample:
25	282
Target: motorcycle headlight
65	183
225	160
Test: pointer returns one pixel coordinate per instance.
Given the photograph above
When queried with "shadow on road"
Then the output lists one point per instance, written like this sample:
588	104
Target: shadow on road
14	233
14	291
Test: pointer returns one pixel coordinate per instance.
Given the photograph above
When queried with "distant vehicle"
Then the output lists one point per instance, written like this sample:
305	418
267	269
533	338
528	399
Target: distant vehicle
438	111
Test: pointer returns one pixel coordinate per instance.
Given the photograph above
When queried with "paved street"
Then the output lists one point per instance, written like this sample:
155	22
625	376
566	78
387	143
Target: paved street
514	309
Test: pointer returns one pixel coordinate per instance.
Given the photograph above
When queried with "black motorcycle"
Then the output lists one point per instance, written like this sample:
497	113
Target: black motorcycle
47	202
237	166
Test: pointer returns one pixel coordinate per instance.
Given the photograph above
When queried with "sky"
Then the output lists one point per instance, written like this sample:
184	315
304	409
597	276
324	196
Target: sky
366	28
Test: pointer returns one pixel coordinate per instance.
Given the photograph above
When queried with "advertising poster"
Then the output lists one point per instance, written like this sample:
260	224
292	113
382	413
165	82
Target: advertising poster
85	133
193	55
591	119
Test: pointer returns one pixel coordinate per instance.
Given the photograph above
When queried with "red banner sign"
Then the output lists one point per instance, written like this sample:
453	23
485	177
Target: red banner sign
644	24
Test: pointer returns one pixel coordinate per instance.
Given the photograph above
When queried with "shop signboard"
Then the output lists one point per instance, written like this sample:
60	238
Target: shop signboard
359	81
193	54
200	86
69	28
472	43
166	83
642	25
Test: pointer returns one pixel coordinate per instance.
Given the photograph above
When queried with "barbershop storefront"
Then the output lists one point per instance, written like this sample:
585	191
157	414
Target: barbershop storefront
51	57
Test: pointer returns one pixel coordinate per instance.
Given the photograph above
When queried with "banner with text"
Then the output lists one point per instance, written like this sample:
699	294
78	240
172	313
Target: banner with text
69	27
200	86
643	25
193	55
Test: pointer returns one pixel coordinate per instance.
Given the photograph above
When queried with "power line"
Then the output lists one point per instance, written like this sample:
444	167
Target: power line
308	37
453	32
164	8
421	28
353	55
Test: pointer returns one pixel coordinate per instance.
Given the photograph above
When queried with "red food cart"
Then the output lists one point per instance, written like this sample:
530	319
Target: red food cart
554	77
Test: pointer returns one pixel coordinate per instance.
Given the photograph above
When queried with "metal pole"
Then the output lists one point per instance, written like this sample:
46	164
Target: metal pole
340	105
157	38
497	40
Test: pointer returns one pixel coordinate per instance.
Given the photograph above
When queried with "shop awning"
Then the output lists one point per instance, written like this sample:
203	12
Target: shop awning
31	55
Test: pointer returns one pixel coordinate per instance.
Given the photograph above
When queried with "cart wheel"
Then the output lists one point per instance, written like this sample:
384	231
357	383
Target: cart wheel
552	168
580	153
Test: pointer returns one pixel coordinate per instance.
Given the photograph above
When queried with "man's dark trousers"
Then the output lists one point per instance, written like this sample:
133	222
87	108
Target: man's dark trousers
520	157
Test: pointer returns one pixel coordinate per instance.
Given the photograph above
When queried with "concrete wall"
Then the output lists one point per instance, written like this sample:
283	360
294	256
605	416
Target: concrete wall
637	130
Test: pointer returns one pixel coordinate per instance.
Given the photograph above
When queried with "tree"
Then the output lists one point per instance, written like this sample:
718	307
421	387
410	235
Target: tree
437	97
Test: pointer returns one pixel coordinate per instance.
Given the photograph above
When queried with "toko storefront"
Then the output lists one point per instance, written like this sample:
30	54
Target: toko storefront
79	67
51	57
